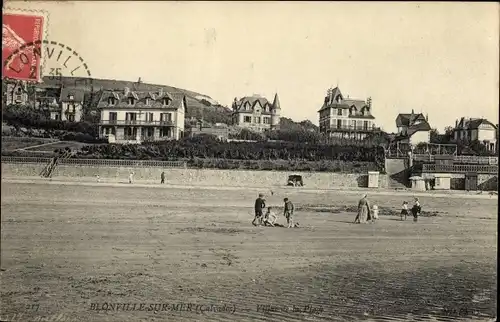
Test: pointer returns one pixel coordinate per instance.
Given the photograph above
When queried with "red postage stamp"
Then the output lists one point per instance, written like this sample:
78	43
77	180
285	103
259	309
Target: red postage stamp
20	58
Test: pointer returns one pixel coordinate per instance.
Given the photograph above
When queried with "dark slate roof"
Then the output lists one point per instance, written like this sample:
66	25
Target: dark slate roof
359	104
66	92
252	101
472	124
175	99
405	119
421	126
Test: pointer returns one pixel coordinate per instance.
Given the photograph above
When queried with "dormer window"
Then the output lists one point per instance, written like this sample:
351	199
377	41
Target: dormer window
131	100
111	101
166	101
71	97
147	101
338	99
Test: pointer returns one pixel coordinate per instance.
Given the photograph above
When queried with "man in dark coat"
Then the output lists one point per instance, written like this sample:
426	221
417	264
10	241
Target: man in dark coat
260	204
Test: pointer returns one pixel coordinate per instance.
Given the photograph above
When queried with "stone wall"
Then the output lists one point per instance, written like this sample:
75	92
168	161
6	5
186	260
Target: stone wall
211	177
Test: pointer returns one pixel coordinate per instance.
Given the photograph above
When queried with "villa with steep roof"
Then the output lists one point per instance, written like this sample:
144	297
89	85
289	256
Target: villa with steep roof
413	128
257	113
140	116
345	117
476	129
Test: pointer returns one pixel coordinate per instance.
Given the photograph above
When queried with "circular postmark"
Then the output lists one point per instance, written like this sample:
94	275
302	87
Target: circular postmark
55	60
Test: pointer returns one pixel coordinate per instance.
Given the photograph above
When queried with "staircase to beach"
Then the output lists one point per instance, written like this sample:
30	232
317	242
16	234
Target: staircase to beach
50	167
398	173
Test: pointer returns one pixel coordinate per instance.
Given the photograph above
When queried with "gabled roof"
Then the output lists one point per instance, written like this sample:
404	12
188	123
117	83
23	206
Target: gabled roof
472	123
421	126
66	92
175	99
252	101
405	119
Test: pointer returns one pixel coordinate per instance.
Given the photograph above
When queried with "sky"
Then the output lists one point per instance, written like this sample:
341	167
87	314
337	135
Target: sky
441	59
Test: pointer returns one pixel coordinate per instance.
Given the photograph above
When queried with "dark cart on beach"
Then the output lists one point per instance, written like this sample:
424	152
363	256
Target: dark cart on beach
295	181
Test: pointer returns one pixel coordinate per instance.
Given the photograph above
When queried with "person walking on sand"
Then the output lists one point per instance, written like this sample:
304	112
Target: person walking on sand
404	210
416	209
162	177
260	204
363	211
130	177
288	212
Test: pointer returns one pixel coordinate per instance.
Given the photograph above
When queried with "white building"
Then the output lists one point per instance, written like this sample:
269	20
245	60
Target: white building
345	117
479	129
256	113
413	128
134	117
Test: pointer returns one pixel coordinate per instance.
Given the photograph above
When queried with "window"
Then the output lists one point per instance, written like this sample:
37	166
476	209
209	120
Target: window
165	132
147	101
166	101
266	120
352	126
71	97
149	117
365	125
257	120
247	119
112	116
166	117
19	98
57	117
71	117
339	99
339	111
71	108
131	101
339	124
111	101
130	117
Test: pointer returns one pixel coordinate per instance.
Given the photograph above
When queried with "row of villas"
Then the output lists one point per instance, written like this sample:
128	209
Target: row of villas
129	116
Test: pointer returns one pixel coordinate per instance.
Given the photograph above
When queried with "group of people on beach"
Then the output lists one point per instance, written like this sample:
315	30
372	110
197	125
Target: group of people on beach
367	213
269	218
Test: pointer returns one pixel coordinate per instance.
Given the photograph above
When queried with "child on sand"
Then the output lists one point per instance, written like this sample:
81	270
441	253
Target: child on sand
374	213
270	217
288	212
260	204
404	210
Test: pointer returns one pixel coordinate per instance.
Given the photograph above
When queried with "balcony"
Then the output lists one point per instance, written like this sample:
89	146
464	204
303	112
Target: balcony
137	122
350	128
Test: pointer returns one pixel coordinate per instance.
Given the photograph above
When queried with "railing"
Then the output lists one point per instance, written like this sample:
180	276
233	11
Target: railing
136	122
99	162
460	168
350	128
459	159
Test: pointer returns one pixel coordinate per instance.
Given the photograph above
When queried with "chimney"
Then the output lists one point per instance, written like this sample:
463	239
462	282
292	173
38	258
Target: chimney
160	91
126	90
456	123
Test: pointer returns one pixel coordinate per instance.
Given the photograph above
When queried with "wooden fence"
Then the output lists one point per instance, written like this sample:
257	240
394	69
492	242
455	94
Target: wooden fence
99	162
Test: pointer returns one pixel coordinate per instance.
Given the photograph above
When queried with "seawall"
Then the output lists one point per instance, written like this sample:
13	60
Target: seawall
209	177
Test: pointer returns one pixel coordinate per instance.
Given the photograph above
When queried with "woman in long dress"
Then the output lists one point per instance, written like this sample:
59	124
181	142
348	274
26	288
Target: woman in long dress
363	211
